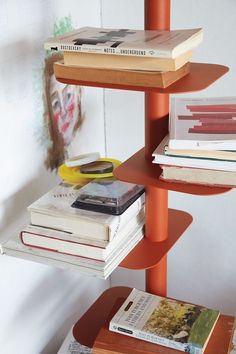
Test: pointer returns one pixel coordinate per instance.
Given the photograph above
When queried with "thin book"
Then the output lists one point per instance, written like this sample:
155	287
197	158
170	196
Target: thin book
122	62
127	42
171	323
161	158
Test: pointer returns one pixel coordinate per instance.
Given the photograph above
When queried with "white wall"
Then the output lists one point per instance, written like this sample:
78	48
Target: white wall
38	303
202	265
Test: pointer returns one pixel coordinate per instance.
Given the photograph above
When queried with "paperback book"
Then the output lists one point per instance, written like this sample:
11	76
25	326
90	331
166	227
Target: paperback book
54	210
203	123
171	323
128	42
73	244
163	159
126	62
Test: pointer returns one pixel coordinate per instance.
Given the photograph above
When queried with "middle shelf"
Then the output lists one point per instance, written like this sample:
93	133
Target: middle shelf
139	170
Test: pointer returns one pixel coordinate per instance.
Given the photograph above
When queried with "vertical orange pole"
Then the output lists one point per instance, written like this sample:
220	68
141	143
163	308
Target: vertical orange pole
157	16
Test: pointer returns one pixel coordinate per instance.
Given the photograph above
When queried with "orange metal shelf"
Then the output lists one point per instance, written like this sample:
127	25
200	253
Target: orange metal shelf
87	328
148	254
141	171
200	77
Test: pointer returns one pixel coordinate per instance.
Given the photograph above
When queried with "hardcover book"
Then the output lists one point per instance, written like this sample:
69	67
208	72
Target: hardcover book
203	123
133	78
146	43
161	158
171	323
73	244
53	210
123	62
102	269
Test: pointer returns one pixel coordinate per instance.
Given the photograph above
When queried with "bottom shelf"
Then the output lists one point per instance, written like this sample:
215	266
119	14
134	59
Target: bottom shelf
87	328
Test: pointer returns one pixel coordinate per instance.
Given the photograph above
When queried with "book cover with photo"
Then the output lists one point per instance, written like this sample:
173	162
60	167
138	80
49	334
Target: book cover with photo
203	123
171	323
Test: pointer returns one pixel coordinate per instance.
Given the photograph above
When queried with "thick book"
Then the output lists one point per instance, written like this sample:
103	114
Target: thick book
198	176
135	78
123	62
161	158
102	269
146	43
54	210
171	323
203	123
73	244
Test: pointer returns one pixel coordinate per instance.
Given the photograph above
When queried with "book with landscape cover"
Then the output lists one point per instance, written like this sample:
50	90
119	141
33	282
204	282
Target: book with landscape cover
203	123
102	269
135	78
73	244
127	62
109	342
147	43
167	322
214	178
161	158
53	210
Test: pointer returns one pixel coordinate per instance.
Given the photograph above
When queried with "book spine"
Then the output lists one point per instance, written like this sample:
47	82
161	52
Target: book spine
106	50
131	332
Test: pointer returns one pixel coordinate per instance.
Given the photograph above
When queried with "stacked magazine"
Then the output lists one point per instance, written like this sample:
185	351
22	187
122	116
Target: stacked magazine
90	241
201	145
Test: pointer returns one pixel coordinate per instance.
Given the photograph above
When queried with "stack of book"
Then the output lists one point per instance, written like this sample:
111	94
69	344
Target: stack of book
124	56
85	240
147	323
201	146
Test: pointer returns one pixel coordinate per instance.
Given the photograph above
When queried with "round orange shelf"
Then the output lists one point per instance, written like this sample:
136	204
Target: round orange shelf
148	254
141	171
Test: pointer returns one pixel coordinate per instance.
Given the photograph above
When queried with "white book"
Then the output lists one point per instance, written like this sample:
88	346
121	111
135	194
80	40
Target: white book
204	163
15	248
146	43
203	123
71	346
68	243
168	322
53	210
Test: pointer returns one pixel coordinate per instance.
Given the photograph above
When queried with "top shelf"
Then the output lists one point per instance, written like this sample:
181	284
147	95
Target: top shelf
200	77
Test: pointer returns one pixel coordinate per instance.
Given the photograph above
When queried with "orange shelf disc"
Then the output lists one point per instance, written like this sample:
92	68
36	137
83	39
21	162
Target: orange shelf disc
141	171
147	254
